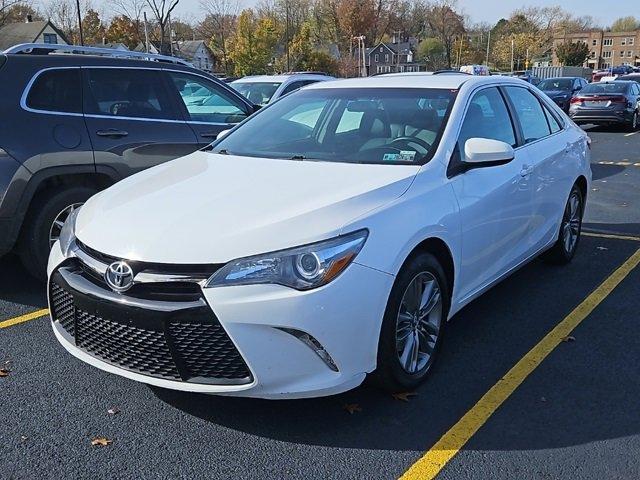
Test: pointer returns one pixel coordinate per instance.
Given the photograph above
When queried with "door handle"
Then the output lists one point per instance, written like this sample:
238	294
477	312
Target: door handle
112	132
526	170
209	134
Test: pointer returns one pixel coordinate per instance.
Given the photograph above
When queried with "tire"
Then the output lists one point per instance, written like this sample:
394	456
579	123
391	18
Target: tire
391	373
563	250
633	124
34	244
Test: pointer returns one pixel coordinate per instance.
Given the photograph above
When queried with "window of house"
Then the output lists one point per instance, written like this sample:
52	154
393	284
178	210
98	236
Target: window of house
593	54
50	38
607	54
632	41
377	57
607	42
57	91
623	41
594	42
386	57
629	54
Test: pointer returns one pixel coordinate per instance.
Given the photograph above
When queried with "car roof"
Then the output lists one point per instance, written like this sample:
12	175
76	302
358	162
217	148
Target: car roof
282	78
445	81
560	78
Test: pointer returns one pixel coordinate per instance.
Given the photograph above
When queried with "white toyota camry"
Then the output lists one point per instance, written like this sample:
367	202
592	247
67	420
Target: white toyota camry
328	237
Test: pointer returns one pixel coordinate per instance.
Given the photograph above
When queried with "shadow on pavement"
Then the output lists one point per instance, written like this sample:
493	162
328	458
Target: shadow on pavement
17	286
604	171
483	342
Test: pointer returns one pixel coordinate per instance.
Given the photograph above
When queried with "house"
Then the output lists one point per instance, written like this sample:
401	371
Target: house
31	32
196	52
395	56
606	49
112	45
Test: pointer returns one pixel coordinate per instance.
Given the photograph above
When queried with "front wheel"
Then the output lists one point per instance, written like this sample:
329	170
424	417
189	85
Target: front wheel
633	124
565	247
413	324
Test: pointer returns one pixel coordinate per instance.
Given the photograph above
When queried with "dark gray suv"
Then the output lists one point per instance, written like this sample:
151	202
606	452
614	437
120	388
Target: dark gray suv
71	125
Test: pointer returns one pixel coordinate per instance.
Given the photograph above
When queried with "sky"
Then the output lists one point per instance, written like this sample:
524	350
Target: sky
492	10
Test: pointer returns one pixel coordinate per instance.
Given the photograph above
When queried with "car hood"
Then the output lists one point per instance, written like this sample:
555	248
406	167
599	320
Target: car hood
210	208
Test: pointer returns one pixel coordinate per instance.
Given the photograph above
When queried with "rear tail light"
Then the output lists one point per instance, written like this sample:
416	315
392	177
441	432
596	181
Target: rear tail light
575	100
618	100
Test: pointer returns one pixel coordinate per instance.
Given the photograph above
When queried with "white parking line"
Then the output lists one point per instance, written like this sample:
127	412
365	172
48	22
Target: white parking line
632	133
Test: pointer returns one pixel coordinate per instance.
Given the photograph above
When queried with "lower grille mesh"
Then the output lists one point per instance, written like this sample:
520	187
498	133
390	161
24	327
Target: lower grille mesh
174	348
135	349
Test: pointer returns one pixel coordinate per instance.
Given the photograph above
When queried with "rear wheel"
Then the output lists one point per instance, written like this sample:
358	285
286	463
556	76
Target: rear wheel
413	324
43	224
633	124
565	247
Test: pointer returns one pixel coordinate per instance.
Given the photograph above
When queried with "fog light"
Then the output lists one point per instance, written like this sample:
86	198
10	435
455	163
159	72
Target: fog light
313	344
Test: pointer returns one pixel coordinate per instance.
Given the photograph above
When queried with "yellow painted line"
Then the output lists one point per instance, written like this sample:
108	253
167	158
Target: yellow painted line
432	462
610	235
24	318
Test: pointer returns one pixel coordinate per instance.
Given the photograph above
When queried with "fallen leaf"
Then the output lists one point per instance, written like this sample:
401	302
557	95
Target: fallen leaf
23	438
624	204
101	442
352	408
568	339
404	396
4	372
595	189
543	399
602	248
113	411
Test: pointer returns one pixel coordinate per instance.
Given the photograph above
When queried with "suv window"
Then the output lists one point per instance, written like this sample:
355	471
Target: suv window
207	102
529	112
293	86
487	117
133	93
57	91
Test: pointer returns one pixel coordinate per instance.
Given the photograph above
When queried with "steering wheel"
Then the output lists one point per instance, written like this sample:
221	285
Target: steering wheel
409	140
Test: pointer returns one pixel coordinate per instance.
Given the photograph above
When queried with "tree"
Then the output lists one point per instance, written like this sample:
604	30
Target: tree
218	26
14	12
131	11
162	11
93	30
254	44
625	24
64	15
122	29
431	51
304	57
446	25
572	54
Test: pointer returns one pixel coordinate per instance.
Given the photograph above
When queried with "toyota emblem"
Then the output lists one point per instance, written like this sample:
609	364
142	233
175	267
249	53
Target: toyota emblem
119	276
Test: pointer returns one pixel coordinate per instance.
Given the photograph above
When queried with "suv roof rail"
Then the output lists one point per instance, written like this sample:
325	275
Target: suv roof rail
311	72
46	48
450	72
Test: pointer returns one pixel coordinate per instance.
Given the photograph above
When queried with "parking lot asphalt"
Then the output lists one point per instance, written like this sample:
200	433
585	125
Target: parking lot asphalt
574	415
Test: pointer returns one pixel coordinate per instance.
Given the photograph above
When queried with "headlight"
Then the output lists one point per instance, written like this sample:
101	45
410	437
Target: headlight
301	268
68	232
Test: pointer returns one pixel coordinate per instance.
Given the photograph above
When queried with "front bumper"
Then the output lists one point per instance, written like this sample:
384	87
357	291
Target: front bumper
343	317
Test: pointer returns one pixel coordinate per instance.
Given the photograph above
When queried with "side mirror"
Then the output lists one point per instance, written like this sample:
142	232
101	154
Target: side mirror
485	152
223	133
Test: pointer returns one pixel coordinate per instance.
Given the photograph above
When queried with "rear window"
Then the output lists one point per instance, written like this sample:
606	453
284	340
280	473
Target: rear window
57	91
605	88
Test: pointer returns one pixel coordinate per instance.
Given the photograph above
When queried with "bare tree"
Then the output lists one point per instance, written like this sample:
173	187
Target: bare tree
219	24
131	9
63	13
162	11
11	9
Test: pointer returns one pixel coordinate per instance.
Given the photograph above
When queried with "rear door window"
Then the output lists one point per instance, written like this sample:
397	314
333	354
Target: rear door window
128	93
57	91
530	114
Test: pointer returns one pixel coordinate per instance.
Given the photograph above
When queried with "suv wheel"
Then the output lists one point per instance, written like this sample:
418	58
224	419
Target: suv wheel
43	224
413	324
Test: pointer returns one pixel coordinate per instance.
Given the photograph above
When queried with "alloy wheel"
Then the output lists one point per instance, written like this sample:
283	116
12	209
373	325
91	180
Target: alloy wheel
58	223
418	323
571	222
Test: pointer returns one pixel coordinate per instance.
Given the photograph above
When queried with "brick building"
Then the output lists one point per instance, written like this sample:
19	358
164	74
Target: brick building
606	49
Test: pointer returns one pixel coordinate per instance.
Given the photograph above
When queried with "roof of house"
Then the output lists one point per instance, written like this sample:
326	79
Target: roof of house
27	32
188	48
114	45
404	48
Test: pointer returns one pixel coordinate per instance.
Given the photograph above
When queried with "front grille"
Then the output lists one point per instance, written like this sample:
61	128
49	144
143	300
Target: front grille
187	344
135	349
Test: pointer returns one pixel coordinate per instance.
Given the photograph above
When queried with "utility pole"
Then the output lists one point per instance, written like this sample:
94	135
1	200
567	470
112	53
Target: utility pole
512	48
486	62
80	22
170	35
146	32
286	14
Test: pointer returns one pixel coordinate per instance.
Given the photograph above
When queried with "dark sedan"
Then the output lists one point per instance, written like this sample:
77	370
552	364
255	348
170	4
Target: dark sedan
607	103
561	89
635	77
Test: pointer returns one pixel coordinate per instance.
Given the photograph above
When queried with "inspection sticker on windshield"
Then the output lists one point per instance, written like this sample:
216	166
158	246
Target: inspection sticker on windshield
403	156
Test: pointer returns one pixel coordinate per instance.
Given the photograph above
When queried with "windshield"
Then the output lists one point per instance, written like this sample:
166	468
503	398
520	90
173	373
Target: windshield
605	88
258	93
364	125
556	84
